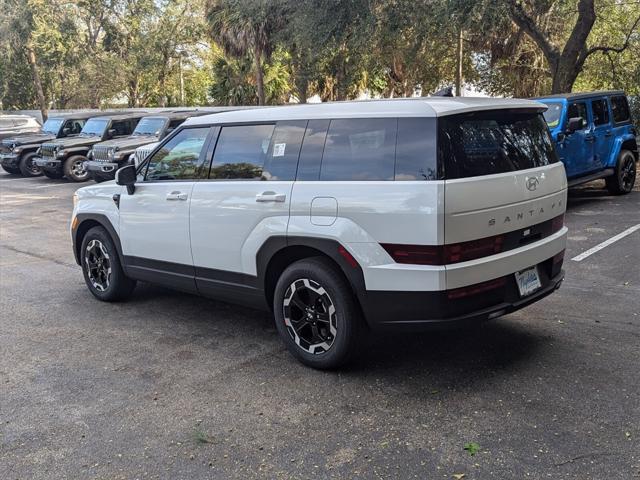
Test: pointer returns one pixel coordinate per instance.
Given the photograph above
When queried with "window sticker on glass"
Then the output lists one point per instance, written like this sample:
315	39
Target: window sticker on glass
278	149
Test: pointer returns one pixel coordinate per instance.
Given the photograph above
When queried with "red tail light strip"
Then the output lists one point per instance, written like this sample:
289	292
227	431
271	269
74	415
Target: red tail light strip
457	252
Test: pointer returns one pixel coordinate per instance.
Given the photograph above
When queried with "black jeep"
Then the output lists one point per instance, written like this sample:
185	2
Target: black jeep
66	157
107	157
17	153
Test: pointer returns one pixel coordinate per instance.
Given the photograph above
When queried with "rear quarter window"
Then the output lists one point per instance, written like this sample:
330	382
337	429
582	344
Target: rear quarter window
492	142
360	149
620	109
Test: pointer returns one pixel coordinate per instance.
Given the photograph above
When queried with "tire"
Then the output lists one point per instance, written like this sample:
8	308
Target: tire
12	170
307	291
74	170
101	267
55	175
27	167
624	177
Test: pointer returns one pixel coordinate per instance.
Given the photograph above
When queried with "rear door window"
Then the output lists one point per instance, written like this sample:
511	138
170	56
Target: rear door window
491	142
600	112
282	157
620	109
241	152
360	149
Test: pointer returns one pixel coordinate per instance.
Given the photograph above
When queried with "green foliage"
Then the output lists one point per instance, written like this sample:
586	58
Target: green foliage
100	53
472	448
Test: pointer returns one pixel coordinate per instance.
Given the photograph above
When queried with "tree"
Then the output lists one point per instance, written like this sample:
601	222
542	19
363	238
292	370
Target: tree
565	55
245	28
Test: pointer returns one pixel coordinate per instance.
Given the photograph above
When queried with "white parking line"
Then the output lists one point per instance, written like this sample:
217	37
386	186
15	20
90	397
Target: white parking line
606	243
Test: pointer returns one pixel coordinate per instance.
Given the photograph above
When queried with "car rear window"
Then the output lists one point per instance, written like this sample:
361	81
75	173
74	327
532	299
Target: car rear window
620	109
490	142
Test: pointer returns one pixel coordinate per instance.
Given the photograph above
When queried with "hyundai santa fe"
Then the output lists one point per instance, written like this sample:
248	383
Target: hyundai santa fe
339	217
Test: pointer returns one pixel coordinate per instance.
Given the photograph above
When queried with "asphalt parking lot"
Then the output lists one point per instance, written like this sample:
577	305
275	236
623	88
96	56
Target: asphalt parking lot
174	386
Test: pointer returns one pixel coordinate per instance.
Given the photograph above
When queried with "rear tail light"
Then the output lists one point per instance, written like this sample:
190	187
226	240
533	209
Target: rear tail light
444	254
477	288
415	254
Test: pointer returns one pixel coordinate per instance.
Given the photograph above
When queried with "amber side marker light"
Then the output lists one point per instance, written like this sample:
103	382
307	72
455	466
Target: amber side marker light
74	223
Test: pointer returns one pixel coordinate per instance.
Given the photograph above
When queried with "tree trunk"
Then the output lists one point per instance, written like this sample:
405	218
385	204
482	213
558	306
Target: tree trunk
31	55
257	55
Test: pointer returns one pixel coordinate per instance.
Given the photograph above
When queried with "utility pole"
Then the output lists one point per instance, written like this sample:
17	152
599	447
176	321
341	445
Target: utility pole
459	65
181	80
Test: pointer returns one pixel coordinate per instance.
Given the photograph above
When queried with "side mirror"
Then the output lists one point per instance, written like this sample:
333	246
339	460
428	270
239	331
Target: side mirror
111	133
575	123
127	177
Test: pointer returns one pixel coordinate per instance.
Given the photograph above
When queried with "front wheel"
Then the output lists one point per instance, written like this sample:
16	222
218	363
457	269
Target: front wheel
101	267
624	177
316	313
74	168
28	168
12	170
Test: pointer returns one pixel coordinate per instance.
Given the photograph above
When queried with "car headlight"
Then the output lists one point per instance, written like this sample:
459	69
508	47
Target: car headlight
17	150
90	154
60	153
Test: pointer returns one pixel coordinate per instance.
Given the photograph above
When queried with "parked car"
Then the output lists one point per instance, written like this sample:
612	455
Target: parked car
594	137
12	125
66	157
142	152
388	214
17	153
106	157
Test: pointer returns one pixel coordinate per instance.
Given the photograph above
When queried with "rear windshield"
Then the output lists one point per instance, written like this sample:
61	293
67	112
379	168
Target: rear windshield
485	143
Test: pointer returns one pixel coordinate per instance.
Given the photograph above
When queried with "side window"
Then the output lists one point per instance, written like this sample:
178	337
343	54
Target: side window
620	109
241	152
120	127
578	110
360	149
416	149
282	158
312	148
180	158
20	122
600	112
4	123
74	126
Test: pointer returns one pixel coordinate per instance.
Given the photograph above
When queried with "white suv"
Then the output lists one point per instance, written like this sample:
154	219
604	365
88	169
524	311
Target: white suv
381	214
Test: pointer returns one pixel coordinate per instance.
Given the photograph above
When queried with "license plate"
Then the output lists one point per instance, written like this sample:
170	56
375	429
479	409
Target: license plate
528	281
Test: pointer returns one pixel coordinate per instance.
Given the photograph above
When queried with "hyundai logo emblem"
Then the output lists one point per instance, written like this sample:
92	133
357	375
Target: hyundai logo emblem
532	183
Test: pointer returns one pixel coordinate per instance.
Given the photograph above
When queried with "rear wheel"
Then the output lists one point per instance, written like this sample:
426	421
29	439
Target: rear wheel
101	267
74	168
624	178
28	168
316	313
54	175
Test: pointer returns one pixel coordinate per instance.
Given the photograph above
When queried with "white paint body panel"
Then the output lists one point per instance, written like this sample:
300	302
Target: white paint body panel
228	225
479	207
152	226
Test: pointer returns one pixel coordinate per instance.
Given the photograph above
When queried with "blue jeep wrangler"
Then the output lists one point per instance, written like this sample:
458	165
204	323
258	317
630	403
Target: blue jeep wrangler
594	137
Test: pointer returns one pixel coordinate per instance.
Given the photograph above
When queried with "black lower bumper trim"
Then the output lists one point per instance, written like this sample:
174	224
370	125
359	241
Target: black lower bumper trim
426	310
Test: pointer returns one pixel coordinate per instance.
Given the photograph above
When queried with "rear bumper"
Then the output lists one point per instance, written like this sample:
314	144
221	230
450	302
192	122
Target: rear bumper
395	310
9	159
